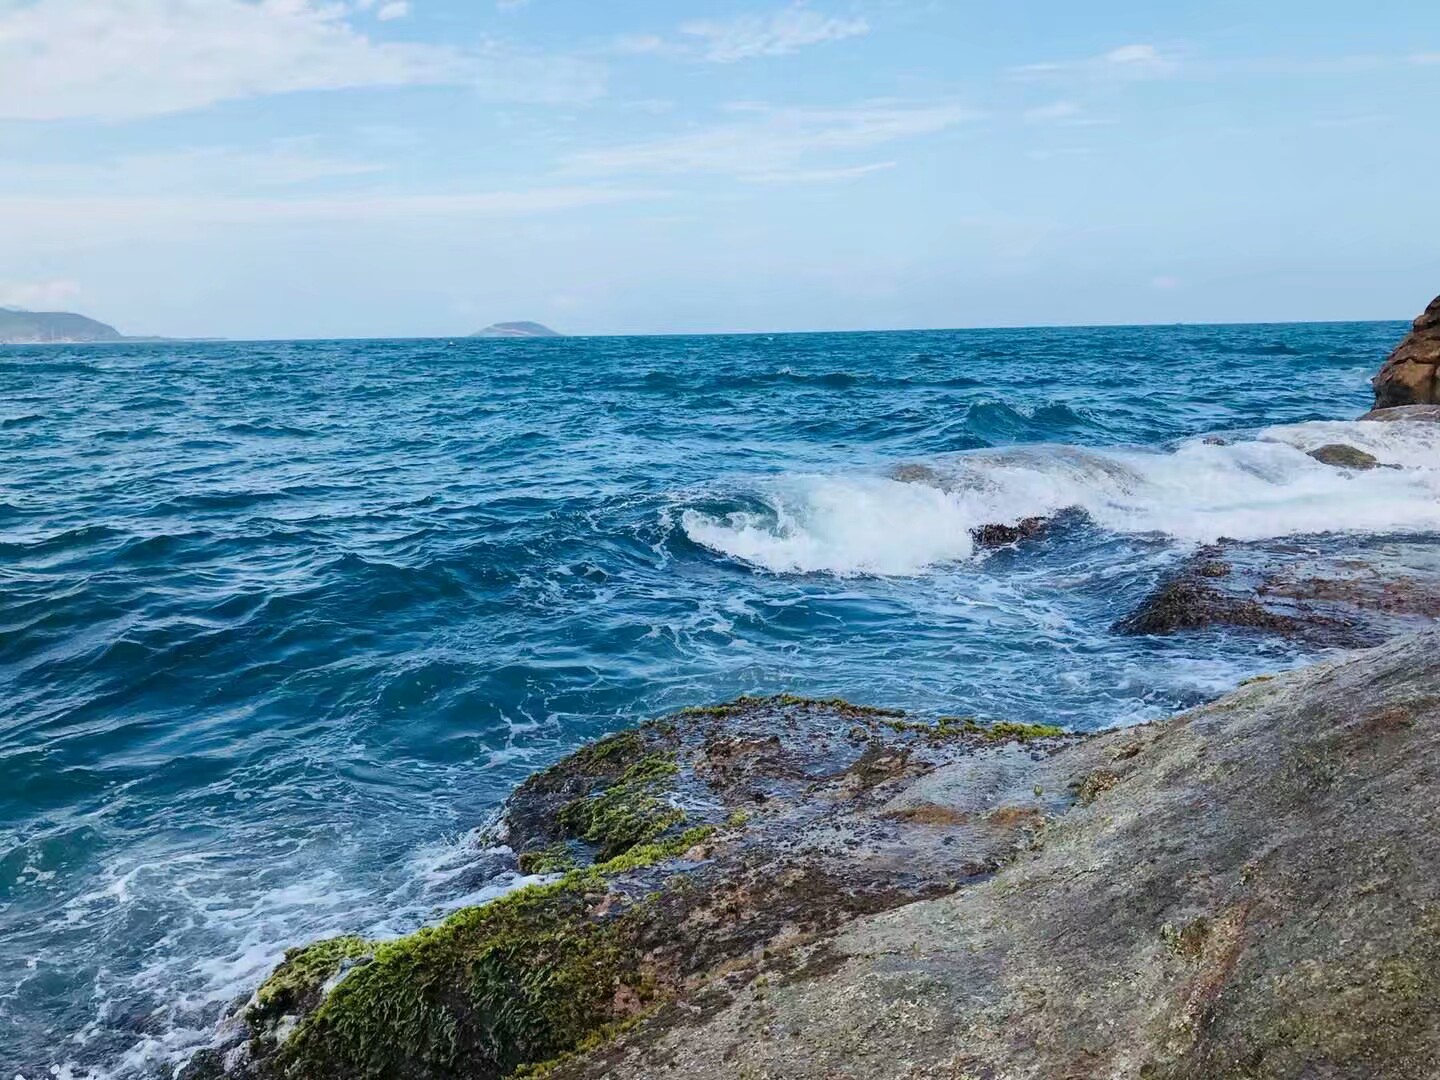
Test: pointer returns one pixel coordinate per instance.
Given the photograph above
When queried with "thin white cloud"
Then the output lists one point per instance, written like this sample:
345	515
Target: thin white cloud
121	59
1126	62
776	34
396	9
818	176
37	295
770	142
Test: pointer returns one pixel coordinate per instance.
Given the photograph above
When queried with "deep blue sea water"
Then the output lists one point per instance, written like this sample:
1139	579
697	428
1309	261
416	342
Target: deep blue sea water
282	623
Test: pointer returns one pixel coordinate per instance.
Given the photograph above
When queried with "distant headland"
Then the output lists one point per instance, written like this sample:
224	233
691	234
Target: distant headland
517	330
52	327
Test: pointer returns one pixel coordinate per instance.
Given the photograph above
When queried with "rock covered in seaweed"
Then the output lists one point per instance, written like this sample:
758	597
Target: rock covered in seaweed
705	843
1408	377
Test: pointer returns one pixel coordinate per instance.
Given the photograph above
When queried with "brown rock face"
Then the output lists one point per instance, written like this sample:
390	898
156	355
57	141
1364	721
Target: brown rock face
1409	376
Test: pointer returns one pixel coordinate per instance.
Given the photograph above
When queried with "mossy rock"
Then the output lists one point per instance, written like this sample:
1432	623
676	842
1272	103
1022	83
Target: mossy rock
961	727
297	984
629	812
643	908
519	981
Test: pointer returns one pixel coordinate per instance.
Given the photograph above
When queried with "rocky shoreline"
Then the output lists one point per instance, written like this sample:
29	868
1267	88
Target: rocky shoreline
785	887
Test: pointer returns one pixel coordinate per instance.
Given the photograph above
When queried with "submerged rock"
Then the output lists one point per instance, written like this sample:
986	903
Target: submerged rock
1344	457
1187	603
1408	377
1250	890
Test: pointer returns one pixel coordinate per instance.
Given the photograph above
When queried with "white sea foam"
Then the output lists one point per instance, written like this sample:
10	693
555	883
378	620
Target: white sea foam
1262	487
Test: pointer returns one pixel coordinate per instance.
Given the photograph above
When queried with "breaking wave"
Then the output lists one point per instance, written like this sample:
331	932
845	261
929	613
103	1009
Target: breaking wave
921	515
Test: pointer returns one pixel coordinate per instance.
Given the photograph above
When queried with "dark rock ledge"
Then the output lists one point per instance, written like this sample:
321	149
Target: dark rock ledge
1336	591
791	888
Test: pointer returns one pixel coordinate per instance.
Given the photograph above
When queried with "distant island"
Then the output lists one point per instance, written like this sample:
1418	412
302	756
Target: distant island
517	330
19	327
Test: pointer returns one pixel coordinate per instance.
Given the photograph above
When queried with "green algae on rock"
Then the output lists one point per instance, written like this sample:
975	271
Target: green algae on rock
696	845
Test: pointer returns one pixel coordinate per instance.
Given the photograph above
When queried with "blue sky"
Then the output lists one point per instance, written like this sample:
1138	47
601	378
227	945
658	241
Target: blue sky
278	168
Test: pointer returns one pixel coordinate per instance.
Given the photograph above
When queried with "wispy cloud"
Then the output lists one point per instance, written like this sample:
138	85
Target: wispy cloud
766	144
121	59
776	34
747	37
819	176
1127	62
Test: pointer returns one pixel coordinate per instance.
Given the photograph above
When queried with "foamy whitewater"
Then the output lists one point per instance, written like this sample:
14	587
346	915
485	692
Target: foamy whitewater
1262	486
282	624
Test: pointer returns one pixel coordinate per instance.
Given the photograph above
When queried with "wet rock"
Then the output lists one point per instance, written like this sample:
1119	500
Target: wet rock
1335	590
1000	535
1344	457
1408	377
1253	889
698	846
1429	413
1187	602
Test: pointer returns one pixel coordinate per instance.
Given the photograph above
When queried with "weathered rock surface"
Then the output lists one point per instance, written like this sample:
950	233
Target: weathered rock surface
1408	377
1336	591
694	849
1251	890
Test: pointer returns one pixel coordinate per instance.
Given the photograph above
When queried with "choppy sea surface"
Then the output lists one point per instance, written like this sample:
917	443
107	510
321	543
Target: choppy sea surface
282	623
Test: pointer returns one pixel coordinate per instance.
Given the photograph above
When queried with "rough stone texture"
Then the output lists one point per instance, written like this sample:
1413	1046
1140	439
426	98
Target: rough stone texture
1408	377
1249	891
1331	590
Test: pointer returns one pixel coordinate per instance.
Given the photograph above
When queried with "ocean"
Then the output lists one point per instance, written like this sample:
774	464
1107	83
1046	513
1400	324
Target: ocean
282	623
